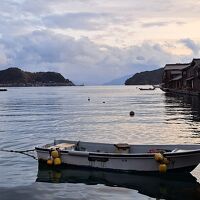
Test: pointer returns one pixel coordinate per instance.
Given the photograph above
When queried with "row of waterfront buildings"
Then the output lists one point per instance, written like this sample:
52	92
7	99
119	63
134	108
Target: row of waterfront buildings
182	77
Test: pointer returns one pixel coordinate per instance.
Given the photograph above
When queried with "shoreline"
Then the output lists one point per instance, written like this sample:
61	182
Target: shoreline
184	92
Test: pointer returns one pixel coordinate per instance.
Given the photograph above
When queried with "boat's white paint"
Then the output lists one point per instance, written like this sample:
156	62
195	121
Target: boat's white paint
104	156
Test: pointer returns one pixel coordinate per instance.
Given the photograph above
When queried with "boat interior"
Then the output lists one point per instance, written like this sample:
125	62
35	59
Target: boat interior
66	145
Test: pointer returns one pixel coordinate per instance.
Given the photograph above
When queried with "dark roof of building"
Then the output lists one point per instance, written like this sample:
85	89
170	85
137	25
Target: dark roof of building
196	61
177	66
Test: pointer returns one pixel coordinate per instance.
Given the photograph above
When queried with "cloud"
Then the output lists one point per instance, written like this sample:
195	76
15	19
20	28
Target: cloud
3	57
80	59
87	21
161	23
152	24
190	44
140	58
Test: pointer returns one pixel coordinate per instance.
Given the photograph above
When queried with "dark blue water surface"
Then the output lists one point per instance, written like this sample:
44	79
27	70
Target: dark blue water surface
33	116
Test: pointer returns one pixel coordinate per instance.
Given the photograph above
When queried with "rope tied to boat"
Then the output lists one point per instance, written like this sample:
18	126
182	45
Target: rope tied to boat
24	152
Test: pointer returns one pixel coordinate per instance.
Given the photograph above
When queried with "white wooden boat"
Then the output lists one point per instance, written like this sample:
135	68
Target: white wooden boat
123	157
147	88
3	90
153	88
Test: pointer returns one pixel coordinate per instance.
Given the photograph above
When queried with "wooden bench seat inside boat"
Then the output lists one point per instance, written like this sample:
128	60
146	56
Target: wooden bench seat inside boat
122	148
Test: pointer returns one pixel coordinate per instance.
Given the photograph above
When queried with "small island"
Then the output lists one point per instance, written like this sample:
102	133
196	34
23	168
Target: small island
15	77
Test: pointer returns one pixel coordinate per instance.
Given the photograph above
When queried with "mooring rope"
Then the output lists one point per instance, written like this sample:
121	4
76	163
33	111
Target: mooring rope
24	152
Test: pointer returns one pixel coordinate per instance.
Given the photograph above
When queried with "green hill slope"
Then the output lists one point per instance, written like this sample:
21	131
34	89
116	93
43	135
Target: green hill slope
17	77
146	78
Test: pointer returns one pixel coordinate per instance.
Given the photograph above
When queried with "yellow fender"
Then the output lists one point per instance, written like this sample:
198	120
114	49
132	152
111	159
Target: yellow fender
57	161
158	157
50	161
162	168
55	154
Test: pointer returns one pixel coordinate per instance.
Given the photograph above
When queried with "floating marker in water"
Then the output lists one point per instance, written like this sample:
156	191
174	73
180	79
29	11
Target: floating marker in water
132	113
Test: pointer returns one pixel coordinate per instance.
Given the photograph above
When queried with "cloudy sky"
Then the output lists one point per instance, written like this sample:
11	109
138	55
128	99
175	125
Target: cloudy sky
95	41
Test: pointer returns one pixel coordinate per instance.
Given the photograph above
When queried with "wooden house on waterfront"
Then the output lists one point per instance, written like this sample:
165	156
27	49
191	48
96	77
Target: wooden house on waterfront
191	76
182	77
172	77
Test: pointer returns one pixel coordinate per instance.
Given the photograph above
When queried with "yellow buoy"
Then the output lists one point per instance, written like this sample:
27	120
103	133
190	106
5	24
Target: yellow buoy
50	161
166	161
55	154
158	157
57	161
162	168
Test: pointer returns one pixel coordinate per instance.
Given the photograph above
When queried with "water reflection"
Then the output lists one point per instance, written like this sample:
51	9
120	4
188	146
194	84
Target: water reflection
176	186
183	104
183	115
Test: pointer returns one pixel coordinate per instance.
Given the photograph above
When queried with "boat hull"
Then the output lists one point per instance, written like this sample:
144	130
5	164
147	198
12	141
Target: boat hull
184	161
43	164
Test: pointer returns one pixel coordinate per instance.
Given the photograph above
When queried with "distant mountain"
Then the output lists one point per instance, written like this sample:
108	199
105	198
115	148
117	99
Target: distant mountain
146	78
17	77
118	81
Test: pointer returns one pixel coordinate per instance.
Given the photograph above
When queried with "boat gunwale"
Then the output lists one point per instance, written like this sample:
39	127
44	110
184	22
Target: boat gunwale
127	155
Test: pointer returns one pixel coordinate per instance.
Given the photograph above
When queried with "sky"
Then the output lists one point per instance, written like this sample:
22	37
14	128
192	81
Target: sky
95	41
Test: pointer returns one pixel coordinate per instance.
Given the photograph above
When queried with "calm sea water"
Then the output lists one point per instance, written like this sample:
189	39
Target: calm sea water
33	116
